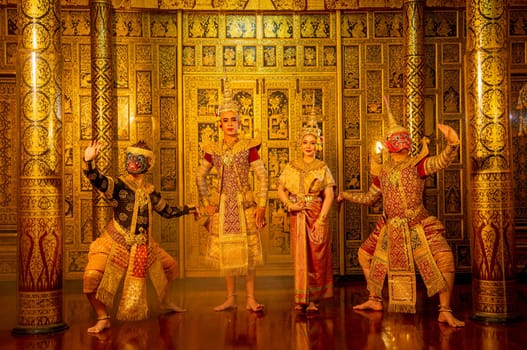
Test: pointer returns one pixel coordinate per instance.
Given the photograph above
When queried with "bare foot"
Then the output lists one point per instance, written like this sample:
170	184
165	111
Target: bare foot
228	304
300	307
253	305
446	316
369	304
100	326
312	307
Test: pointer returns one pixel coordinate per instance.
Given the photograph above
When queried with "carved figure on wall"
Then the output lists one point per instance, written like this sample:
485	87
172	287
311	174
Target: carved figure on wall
189	56
314	26
351	81
249	56
207	101
280	27
354	26
310	56
278	114
202	26
279	228
277	160
269	56
289	56
229	55
330	56
451	101
244	98
208	57
440	24
237	26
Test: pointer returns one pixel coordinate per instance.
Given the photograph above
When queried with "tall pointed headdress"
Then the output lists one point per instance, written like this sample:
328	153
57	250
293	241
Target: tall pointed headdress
228	103
393	126
310	126
397	137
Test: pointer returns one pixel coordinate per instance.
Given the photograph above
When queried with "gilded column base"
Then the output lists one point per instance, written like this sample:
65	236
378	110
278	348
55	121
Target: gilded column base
494	301
40	313
51	329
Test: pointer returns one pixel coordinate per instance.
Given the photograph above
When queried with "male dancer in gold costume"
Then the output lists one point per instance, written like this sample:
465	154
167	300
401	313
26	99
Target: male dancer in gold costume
126	247
235	221
406	234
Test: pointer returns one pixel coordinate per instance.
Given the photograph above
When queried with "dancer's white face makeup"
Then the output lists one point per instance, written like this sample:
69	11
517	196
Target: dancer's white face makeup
230	122
309	146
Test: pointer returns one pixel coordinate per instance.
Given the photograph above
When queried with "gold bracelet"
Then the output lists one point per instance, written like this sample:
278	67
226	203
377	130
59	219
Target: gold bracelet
320	222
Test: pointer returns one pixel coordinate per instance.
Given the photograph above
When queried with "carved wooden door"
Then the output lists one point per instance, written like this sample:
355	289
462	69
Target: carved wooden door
272	107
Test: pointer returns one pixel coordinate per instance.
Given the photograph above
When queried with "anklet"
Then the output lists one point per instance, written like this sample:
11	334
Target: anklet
444	308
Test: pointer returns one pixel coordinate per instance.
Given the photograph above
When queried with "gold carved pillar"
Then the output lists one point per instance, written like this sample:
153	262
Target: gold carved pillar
490	174
413	27
40	167
103	123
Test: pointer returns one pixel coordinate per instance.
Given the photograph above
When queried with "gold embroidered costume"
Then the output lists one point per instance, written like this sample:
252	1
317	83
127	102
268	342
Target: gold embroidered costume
306	182
234	244
406	233
126	248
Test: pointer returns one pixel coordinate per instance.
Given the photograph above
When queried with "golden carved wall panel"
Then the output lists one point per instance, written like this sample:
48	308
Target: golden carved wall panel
218	39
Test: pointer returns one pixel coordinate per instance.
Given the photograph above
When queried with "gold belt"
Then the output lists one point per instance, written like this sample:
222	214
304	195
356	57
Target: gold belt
306	199
412	216
131	238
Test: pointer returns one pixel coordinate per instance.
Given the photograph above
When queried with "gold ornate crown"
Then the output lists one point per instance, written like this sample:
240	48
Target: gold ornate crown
228	105
310	127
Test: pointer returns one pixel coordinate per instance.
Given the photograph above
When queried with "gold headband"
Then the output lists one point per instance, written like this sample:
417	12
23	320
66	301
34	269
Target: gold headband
141	151
229	106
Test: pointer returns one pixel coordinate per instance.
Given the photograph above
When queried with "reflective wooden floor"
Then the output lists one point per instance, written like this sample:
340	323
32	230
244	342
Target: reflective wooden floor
336	327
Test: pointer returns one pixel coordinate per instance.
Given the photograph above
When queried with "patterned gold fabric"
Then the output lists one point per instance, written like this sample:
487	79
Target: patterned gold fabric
313	277
114	259
126	248
406	235
234	244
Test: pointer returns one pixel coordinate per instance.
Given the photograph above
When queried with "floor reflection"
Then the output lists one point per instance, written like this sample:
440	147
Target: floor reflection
336	326
313	332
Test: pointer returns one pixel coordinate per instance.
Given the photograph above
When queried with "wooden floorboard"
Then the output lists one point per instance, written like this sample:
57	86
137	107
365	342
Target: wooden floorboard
336	327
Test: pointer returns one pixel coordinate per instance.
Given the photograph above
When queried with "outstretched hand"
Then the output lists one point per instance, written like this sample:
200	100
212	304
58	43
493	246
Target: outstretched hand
91	152
450	134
